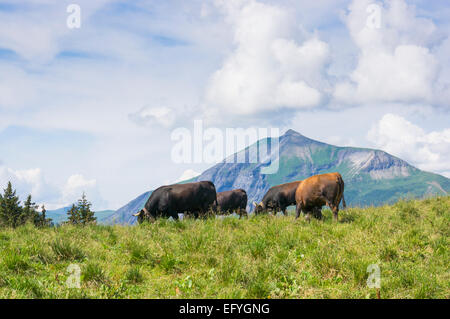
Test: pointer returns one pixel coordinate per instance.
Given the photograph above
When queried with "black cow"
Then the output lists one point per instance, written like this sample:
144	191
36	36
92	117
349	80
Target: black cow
167	201
278	197
232	201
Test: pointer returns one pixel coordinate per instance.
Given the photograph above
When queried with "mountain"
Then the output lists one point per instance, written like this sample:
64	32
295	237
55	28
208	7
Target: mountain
372	177
60	215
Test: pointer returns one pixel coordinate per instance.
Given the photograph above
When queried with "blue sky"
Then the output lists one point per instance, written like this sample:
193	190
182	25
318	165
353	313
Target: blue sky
92	109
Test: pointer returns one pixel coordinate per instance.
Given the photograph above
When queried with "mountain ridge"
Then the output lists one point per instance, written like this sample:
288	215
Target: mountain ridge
371	176
59	215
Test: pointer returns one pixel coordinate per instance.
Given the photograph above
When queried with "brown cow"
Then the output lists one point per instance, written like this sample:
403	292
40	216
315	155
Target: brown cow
278	197
317	191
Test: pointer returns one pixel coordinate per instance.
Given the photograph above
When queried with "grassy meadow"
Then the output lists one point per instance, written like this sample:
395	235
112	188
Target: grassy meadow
258	257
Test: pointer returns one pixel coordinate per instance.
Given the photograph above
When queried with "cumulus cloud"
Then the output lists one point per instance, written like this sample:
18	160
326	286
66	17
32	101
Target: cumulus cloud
269	68
27	181
428	151
75	185
442	88
395	63
32	182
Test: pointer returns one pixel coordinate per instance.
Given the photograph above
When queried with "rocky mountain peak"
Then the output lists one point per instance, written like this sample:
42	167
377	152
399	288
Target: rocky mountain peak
372	177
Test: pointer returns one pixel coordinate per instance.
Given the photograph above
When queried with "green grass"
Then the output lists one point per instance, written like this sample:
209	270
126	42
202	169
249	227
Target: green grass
258	257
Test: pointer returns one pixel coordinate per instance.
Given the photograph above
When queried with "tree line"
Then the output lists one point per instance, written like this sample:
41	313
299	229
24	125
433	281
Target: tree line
13	214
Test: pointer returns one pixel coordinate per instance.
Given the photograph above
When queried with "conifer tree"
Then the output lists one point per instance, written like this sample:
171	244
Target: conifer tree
44	221
84	209
29	212
10	210
74	215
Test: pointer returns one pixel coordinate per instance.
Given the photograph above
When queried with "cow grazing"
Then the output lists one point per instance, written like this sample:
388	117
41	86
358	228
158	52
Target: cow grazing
278	197
232	201
317	191
167	201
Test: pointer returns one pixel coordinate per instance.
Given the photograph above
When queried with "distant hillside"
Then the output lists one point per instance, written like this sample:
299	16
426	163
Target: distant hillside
372	177
60	215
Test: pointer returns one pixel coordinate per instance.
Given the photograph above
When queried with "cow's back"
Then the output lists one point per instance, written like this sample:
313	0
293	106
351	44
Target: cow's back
192	196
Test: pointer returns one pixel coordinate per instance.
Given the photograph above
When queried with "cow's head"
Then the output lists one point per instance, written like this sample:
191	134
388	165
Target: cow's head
140	216
259	208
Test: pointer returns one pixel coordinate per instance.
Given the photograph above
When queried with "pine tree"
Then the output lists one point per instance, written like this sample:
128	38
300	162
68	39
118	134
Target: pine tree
81	213
10	210
29	212
44	221
74	215
84	208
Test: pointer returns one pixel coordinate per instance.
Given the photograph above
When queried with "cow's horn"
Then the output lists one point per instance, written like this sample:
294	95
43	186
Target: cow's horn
137	214
255	204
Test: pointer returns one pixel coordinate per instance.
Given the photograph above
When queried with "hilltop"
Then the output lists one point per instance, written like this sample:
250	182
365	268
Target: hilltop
372	177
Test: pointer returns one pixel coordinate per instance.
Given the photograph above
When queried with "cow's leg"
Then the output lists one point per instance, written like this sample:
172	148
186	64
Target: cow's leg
335	210
317	212
283	209
243	212
298	210
212	212
151	218
308	215
203	214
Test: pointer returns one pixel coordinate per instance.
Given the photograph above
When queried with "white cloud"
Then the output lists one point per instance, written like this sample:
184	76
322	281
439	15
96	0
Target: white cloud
27	181
187	174
76	185
91	79
32	181
269	69
395	63
398	136
442	88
